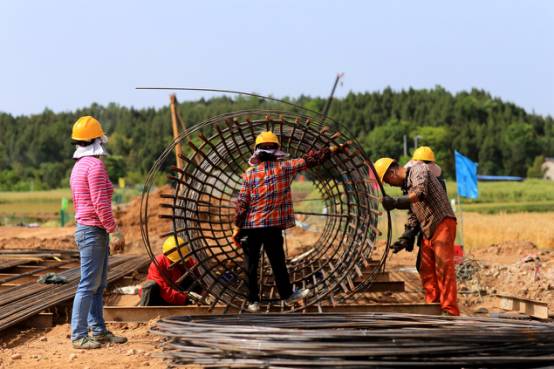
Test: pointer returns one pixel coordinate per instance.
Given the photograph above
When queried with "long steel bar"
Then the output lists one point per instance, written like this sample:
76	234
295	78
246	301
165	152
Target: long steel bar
355	341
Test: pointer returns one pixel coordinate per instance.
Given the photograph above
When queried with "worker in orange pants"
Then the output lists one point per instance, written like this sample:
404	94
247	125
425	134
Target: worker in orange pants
437	271
429	207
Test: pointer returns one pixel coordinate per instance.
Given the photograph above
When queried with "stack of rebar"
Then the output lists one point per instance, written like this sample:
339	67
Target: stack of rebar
200	210
356	341
23	302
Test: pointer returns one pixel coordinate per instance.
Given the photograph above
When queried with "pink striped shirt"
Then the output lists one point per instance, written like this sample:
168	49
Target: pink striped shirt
92	193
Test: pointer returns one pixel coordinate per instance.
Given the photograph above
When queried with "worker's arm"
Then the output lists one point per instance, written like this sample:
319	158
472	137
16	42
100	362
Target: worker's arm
243	201
101	195
313	158
401	202
241	209
317	157
417	192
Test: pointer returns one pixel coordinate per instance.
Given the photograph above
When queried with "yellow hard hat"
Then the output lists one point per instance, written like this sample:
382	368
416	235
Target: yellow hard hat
382	165
267	137
170	248
86	128
424	153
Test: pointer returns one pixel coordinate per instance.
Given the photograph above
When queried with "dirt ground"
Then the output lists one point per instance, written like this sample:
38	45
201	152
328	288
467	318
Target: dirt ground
28	238
517	268
51	349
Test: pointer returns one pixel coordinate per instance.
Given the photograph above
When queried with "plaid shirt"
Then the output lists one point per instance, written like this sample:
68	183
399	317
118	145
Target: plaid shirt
265	196
433	205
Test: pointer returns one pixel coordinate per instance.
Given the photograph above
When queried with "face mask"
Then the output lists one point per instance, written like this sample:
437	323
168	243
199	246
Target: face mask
260	155
97	148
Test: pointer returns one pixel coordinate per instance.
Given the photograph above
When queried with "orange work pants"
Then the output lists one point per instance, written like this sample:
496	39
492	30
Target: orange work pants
437	271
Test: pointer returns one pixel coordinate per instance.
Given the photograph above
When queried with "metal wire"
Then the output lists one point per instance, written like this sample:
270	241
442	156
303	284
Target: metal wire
200	209
355	340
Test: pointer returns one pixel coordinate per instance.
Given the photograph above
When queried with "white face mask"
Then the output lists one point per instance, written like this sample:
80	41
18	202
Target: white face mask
97	148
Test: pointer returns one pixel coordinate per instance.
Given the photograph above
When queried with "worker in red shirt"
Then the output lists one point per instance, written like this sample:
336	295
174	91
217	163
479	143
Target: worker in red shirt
264	210
157	291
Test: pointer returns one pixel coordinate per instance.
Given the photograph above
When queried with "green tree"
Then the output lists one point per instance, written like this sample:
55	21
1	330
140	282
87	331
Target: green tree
536	170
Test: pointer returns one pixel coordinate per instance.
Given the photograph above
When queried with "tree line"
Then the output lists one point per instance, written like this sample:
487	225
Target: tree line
36	150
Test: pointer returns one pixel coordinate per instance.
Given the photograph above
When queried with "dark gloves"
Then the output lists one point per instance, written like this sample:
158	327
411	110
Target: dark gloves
406	241
52	278
390	203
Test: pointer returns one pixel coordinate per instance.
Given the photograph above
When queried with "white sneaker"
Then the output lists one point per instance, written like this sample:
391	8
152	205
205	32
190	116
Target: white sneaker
297	296
253	307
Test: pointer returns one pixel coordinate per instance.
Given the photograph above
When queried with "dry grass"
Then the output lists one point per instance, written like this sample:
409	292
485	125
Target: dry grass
484	229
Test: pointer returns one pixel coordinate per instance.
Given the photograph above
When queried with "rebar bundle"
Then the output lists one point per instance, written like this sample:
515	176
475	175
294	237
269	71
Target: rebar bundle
356	341
201	207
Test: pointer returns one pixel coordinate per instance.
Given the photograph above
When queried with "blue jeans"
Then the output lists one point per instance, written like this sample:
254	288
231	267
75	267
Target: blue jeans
93	243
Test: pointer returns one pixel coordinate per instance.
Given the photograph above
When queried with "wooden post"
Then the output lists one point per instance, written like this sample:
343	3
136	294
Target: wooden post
174	118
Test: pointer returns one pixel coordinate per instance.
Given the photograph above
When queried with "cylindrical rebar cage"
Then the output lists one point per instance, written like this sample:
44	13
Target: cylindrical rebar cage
340	198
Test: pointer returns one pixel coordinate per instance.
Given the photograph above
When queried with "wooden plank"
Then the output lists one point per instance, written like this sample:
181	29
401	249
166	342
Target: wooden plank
147	313
41	321
379	277
532	308
385	286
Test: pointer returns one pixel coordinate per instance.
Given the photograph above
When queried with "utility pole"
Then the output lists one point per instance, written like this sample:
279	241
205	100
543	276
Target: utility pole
416	139
330	99
405	137
174	119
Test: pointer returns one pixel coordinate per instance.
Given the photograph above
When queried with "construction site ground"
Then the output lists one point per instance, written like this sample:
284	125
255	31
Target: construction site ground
516	268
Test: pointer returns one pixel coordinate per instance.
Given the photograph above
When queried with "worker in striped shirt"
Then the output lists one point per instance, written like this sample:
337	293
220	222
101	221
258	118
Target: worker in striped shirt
430	208
92	199
264	210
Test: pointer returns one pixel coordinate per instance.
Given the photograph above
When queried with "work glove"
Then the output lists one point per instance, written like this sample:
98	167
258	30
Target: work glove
197	298
390	203
406	241
235	237
52	278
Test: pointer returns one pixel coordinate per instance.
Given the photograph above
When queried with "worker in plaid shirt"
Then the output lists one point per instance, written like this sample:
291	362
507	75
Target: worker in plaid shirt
430	209
264	210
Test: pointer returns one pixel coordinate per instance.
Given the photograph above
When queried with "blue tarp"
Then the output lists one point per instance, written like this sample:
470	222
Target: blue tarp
466	176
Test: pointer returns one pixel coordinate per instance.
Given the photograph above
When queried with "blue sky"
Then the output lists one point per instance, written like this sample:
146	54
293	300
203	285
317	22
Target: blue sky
68	54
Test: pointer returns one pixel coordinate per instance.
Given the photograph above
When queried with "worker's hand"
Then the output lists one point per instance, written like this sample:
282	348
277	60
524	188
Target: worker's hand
399	245
390	203
117	242
208	299
406	241
235	237
200	299
194	296
340	148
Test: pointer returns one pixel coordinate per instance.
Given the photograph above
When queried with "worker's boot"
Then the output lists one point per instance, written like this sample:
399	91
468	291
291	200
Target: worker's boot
86	343
253	307
297	296
109	337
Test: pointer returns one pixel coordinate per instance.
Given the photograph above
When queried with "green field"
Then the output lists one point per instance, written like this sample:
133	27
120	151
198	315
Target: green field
532	195
42	206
